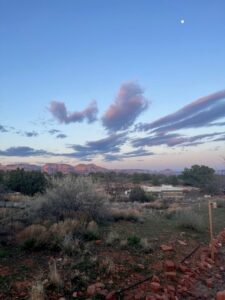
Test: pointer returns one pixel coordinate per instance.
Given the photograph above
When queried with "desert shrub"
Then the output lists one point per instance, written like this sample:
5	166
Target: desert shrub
123	243
133	240
112	237
129	214
189	219
145	245
138	194
151	196
92	231
61	229
221	203
33	237
70	245
69	194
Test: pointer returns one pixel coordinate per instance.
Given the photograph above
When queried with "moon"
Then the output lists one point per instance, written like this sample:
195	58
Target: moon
182	21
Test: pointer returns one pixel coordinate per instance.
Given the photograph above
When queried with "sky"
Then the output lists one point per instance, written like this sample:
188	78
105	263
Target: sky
122	84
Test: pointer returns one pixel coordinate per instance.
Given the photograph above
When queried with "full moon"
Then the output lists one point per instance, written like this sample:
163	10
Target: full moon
182	21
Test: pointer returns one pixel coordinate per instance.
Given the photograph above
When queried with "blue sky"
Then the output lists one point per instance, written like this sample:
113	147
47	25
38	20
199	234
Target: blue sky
102	72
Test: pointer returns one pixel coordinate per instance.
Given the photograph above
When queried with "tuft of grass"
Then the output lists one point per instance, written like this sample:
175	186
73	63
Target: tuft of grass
112	237
54	275
33	237
189	219
145	245
92	231
37	291
133	241
129	214
70	246
221	203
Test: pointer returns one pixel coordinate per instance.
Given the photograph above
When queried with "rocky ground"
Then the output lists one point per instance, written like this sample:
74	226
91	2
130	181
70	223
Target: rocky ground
108	271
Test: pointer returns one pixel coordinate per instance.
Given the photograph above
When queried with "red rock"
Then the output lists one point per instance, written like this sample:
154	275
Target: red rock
155	286
99	285
209	283
91	290
220	295
171	275
149	297
183	268
139	295
111	296
169	266
170	288
209	260
155	278
182	243
140	266
166	248
103	292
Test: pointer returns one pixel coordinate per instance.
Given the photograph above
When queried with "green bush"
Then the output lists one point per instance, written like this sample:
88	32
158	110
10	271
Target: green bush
138	194
133	240
25	182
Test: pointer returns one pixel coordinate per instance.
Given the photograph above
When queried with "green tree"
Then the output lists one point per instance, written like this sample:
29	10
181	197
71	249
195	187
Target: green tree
28	183
138	194
202	177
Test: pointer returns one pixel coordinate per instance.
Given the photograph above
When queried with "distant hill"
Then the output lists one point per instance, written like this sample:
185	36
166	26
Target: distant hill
26	167
89	168
52	168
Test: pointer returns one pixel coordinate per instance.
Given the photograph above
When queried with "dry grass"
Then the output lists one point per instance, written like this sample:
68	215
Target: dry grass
112	237
109	266
54	276
130	214
189	219
37	291
92	227
70	246
145	245
33	236
123	243
68	227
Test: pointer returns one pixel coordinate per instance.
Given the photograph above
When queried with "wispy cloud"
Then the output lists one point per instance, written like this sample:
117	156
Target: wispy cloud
162	139
61	136
121	156
60	113
31	133
3	129
175	139
53	131
109	144
202	112
23	151
128	105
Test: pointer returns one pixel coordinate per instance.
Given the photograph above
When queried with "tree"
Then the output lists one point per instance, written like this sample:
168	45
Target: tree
138	194
28	183
202	177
